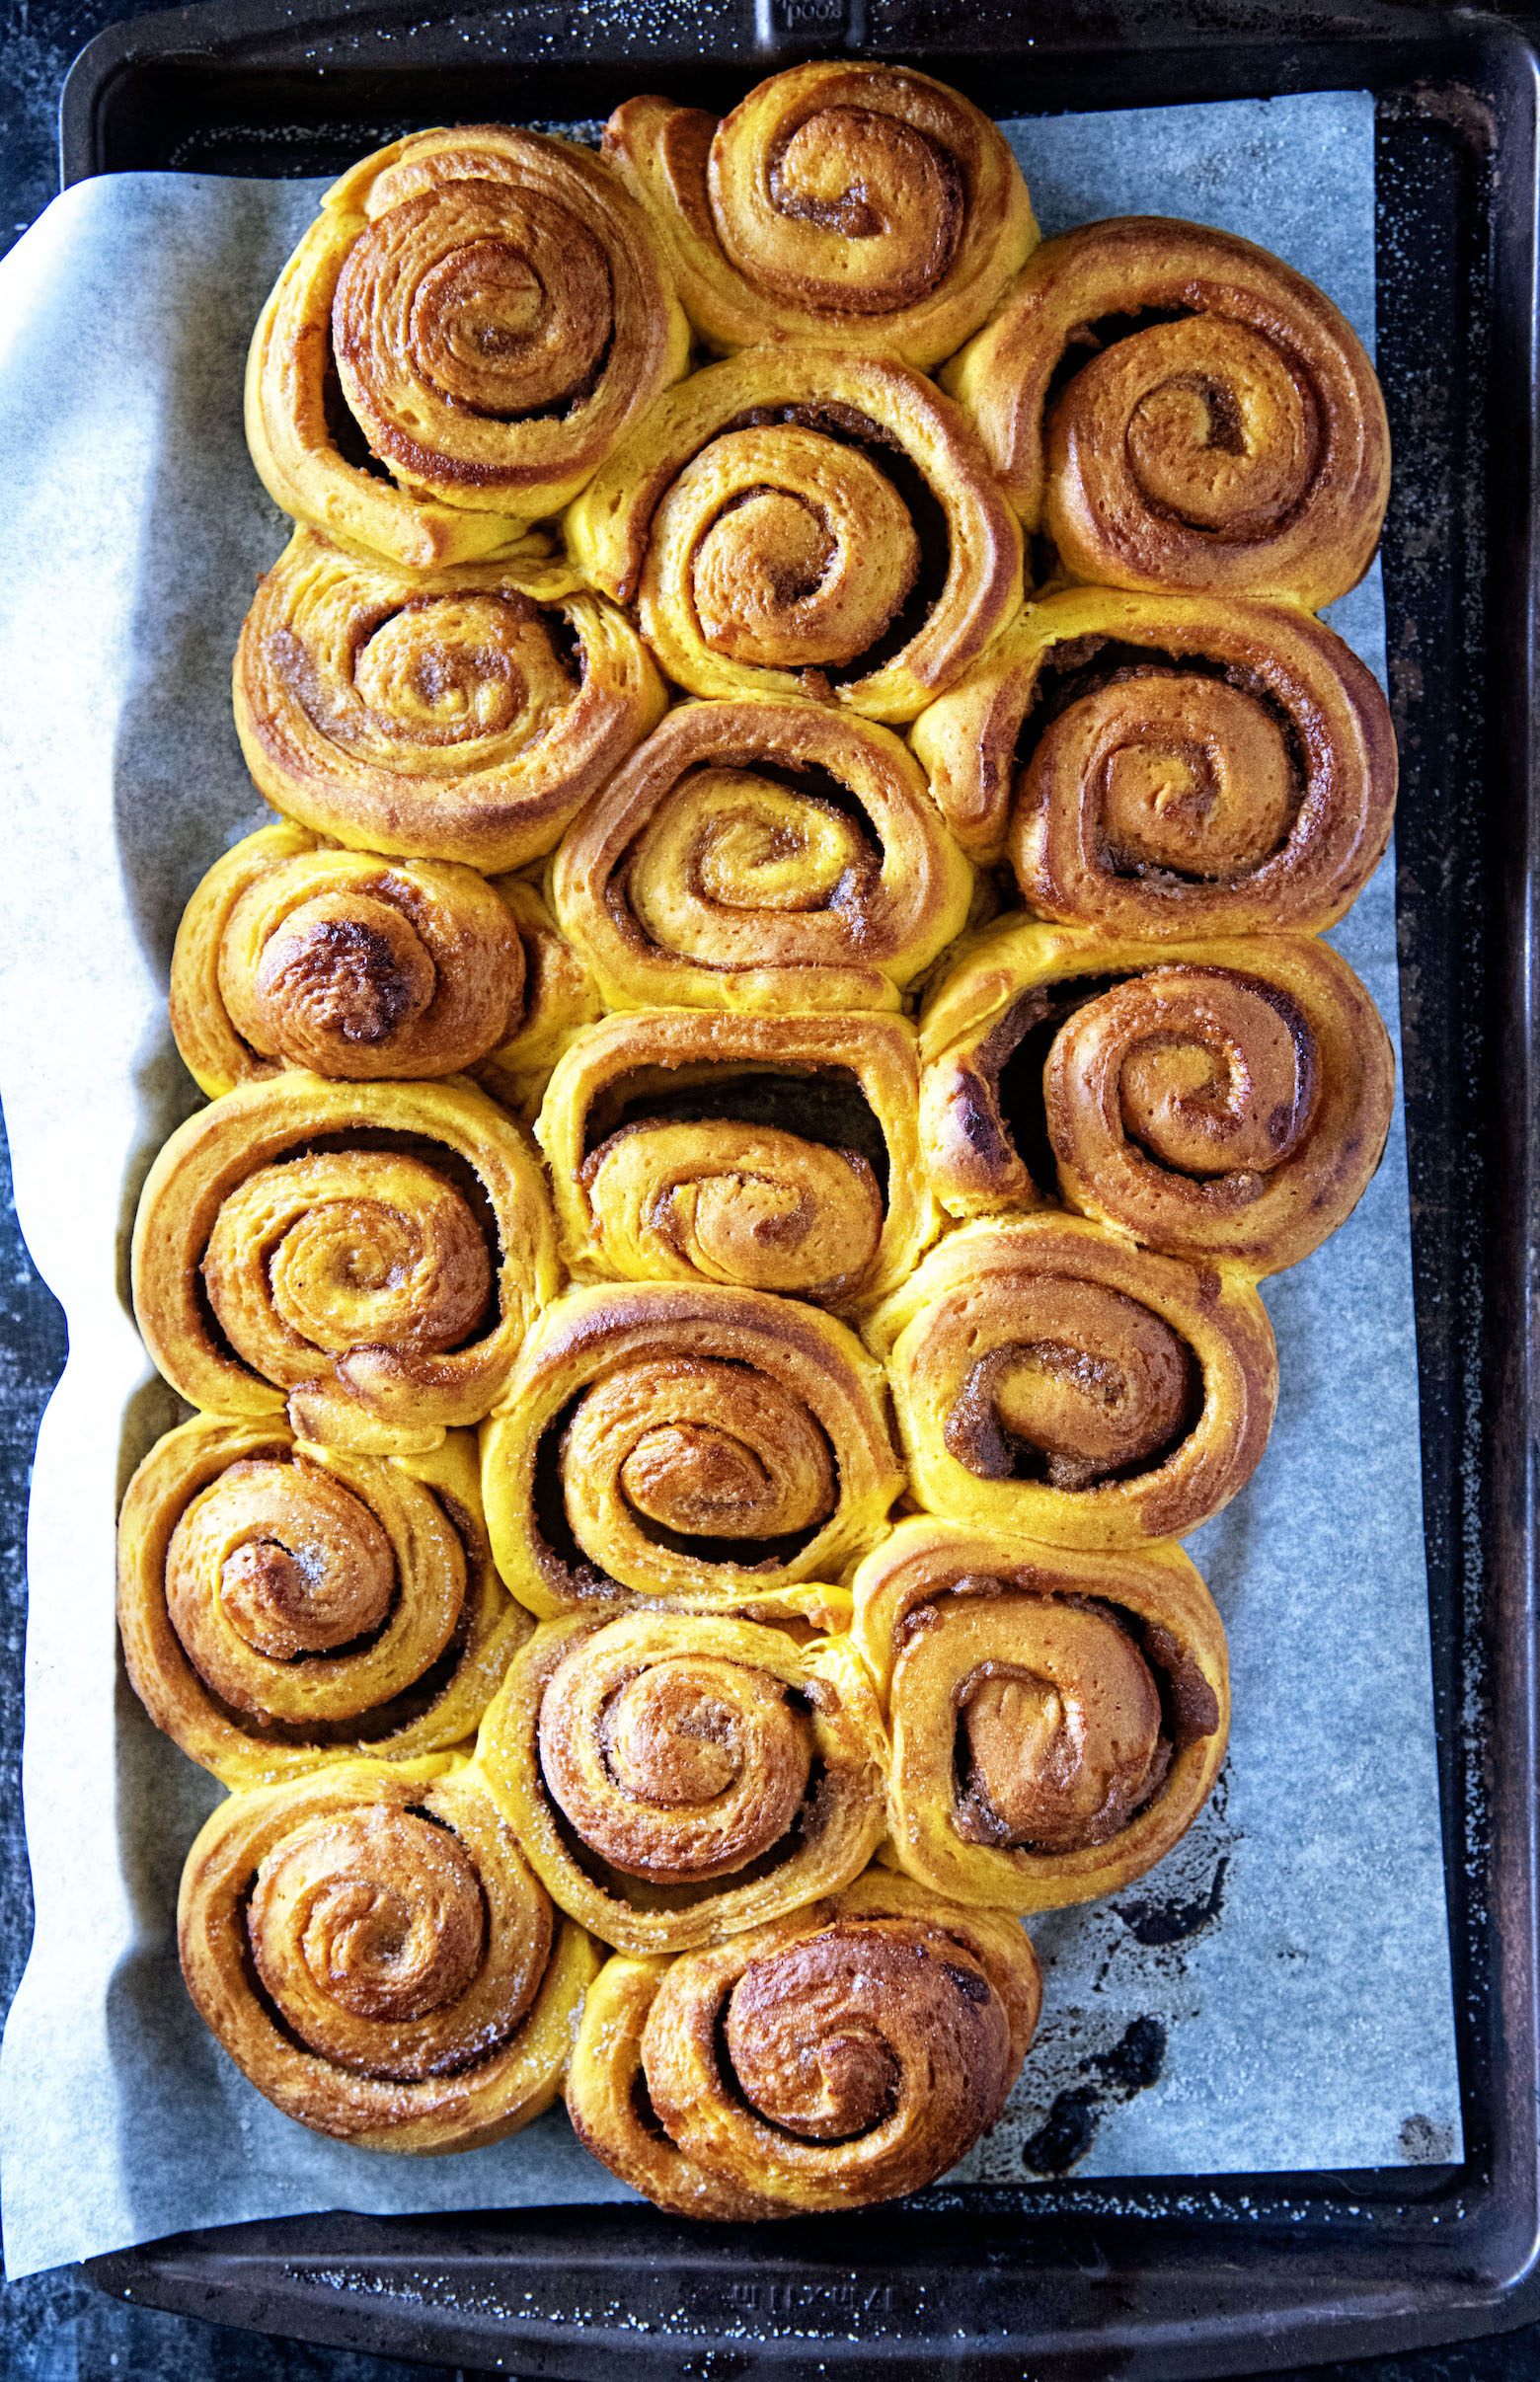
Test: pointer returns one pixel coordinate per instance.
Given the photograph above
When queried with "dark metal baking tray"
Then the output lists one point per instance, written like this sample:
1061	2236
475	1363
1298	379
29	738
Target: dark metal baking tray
1162	2277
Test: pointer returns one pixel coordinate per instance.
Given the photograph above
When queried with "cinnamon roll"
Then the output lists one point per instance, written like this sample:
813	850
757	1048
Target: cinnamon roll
1169	765
1176	408
840	205
378	1958
1058	1720
1225	1101
1051	1381
471	325
342	962
283	1608
778	1153
846	2056
461	714
791	520
675	1778
712	1448
368	1255
765	854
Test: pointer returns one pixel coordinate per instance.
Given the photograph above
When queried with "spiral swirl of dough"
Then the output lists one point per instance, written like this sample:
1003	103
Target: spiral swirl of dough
1236	443
1169	765
324	1246
346	964
377	1957
846	2056
764	854
1051	1381
675	1778
712	1447
712	1199
846	206
1225	1101
485	313
761	517
1058	1720
280	1609
464	714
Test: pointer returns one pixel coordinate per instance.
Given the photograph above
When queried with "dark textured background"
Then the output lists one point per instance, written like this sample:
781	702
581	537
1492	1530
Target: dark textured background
54	2328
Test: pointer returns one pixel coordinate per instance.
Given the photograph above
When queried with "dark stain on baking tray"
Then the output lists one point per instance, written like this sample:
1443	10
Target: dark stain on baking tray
1188	2275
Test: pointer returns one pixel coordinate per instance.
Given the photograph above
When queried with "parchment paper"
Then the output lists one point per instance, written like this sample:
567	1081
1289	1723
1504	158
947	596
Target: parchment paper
1276	1994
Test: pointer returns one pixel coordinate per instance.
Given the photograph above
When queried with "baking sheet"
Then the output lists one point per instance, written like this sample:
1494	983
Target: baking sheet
1276	1994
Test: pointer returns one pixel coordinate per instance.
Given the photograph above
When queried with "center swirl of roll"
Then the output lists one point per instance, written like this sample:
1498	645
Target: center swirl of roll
862	2026
791	549
1219	426
342	967
1061	1750
735	1203
1095	1382
877	183
738	870
697	1449
302	1567
477	297
352	1248
1216	1071
374	1915
685	1769
1186	773
443	672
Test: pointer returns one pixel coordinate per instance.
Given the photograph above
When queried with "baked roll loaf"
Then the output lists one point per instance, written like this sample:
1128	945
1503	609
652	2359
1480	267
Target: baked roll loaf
483	312
1235	443
840	205
284	1607
796	521
369	1256
378	1958
1164	765
676	1778
1052	1381
1226	1101
849	2054
710	1447
1059	1719
777	1153
462	713
763	854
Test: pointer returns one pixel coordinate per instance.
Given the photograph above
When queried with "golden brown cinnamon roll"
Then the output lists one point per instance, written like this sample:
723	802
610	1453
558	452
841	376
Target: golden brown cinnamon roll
1058	1720
764	854
379	1961
462	713
849	2054
840	205
778	1153
1220	428
1051	1381
369	1255
284	1607
342	962
793	521
473	321
1224	1102
1169	765
713	1448
675	1778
